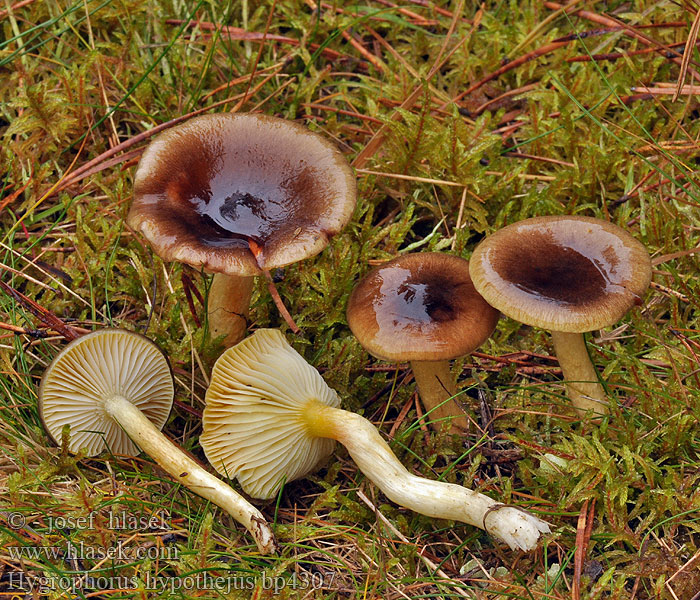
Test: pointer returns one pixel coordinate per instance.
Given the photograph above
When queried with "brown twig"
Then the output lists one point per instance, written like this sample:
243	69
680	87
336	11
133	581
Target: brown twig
532	55
618	55
236	33
583	536
277	299
44	315
16	194
688	53
36	333
189	288
4	13
611	22
256	249
378	138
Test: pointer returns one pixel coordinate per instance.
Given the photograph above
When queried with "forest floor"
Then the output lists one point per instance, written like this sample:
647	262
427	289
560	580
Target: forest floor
458	118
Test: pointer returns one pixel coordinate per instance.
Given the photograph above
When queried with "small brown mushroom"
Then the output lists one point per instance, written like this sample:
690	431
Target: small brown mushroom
239	195
423	308
567	274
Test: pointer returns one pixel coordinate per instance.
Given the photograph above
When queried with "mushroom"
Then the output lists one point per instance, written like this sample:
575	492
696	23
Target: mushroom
567	274
239	195
423	308
112	385
270	418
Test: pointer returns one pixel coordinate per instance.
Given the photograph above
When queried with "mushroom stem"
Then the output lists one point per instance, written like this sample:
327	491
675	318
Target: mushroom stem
436	499
187	472
579	373
228	306
437	389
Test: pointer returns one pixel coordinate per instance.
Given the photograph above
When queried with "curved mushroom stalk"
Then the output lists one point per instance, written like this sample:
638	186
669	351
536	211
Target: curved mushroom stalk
270	417
437	499
115	386
186	471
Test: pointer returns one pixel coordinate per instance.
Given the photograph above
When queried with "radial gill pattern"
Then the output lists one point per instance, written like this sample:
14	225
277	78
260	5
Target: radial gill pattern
97	367
253	426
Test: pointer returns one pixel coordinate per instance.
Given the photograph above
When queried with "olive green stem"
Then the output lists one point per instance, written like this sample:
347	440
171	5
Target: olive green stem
581	378
228	307
437	499
437	389
189	473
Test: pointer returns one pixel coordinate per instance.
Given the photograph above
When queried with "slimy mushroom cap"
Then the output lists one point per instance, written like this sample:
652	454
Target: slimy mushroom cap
208	190
562	273
420	307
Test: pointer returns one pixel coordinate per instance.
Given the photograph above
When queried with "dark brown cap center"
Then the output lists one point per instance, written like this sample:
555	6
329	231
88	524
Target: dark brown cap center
550	270
425	302
566	273
238	193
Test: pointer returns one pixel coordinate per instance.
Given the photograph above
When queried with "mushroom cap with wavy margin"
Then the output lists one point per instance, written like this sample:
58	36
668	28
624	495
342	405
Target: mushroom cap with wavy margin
253	427
208	188
562	273
93	369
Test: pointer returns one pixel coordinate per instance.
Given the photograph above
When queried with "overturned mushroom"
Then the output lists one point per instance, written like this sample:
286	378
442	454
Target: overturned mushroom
270	418
569	275
240	194
423	308
112	385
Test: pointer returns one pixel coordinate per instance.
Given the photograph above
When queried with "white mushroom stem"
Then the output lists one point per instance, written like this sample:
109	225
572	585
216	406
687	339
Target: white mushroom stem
581	378
437	499
437	388
187	472
228	307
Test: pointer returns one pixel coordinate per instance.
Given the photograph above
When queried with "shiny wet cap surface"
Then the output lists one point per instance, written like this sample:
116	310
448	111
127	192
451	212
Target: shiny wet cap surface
420	307
562	273
212	188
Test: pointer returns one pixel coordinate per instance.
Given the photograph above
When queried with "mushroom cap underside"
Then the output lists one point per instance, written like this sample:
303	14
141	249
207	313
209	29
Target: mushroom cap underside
420	307
253	424
237	193
97	367
562	273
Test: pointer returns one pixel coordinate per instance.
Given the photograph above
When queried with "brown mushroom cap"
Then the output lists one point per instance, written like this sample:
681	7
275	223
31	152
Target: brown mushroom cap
562	273
420	307
204	189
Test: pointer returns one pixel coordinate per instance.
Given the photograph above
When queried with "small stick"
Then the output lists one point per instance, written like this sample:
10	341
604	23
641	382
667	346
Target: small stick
279	304
428	563
45	316
256	249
